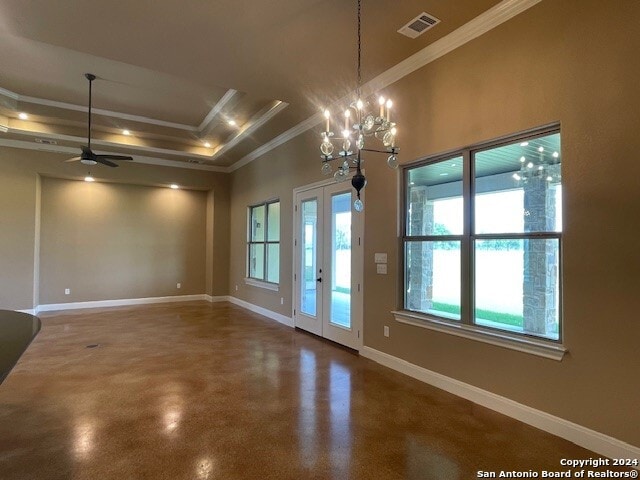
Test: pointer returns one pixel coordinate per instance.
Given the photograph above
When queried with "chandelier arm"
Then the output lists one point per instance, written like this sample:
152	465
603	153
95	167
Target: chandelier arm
389	150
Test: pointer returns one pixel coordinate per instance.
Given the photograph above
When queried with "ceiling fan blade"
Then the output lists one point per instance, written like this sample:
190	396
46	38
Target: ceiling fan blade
115	157
105	162
74	159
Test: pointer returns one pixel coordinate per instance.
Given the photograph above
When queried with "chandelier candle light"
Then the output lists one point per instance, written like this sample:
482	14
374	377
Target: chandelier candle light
359	124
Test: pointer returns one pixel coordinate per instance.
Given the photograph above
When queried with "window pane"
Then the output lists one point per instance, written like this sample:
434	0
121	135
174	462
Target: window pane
273	262
273	212
518	187
256	261
517	286
434	199
432	282
257	224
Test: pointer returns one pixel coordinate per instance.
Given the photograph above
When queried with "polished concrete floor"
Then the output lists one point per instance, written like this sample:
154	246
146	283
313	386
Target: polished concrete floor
212	391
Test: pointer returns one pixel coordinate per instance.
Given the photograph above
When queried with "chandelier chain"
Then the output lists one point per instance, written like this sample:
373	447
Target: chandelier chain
359	48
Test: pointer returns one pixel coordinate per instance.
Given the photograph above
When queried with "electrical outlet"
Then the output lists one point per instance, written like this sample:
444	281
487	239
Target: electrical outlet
67	291
386	331
281	300
178	285
381	268
236	288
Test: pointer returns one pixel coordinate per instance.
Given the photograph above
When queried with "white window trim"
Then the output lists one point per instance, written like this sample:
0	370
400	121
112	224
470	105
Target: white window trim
541	348
274	287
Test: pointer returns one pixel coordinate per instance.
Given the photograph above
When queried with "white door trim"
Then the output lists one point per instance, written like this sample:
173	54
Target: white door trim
357	274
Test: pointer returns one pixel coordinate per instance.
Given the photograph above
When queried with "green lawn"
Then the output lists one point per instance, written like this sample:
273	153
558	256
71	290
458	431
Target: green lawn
504	318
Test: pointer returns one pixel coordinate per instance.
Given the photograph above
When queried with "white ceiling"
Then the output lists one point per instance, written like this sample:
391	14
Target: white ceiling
175	72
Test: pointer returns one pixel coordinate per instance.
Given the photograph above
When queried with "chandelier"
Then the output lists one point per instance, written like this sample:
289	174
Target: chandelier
546	166
360	125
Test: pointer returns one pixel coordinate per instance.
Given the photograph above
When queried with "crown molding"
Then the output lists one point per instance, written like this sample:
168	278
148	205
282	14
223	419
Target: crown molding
486	21
106	113
277	141
25	145
9	93
205	126
261	119
97	141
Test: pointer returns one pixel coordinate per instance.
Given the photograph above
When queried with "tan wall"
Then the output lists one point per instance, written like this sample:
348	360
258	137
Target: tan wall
108	240
20	173
292	165
570	61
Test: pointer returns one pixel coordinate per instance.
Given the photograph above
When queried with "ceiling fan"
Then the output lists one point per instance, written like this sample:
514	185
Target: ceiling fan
88	157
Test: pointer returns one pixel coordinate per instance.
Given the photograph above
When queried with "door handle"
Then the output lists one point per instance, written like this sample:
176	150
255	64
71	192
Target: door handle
319	279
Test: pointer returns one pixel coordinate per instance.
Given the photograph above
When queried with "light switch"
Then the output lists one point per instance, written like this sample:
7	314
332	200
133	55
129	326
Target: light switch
381	258
381	268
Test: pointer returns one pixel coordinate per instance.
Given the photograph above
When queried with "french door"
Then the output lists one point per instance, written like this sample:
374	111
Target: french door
328	264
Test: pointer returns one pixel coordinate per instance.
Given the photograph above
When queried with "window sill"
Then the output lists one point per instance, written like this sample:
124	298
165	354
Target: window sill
274	287
501	339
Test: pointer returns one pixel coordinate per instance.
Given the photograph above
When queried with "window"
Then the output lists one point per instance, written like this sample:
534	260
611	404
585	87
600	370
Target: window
482	238
263	245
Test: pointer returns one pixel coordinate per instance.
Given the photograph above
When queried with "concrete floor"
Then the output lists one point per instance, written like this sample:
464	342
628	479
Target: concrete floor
212	391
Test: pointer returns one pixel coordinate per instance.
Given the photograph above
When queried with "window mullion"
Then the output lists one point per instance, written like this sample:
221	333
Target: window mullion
265	250
466	247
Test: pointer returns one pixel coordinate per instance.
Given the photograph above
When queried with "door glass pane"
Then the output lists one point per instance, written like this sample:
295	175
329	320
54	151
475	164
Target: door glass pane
341	260
256	260
432	283
309	235
517	285
518	187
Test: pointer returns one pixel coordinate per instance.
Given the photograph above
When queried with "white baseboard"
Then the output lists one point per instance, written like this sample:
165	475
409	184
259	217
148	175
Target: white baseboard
117	303
288	321
219	298
582	436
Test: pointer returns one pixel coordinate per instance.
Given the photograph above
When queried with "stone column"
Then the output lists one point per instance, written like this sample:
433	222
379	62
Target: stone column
421	279
540	259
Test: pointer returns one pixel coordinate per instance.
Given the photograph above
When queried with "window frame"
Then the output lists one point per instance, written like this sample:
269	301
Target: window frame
255	281
466	326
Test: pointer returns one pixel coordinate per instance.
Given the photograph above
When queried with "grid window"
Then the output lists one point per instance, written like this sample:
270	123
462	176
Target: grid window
263	245
483	236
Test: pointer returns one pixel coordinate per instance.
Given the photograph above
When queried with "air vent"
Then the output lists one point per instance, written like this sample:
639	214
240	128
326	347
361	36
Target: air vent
419	25
46	141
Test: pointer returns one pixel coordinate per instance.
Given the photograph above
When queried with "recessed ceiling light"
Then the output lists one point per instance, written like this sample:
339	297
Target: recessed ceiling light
524	144
541	149
444	174
23	116
126	132
556	154
174	186
207	144
232	123
89	178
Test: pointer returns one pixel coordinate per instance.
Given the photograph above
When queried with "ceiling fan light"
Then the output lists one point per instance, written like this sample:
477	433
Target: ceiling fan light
89	178
89	162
